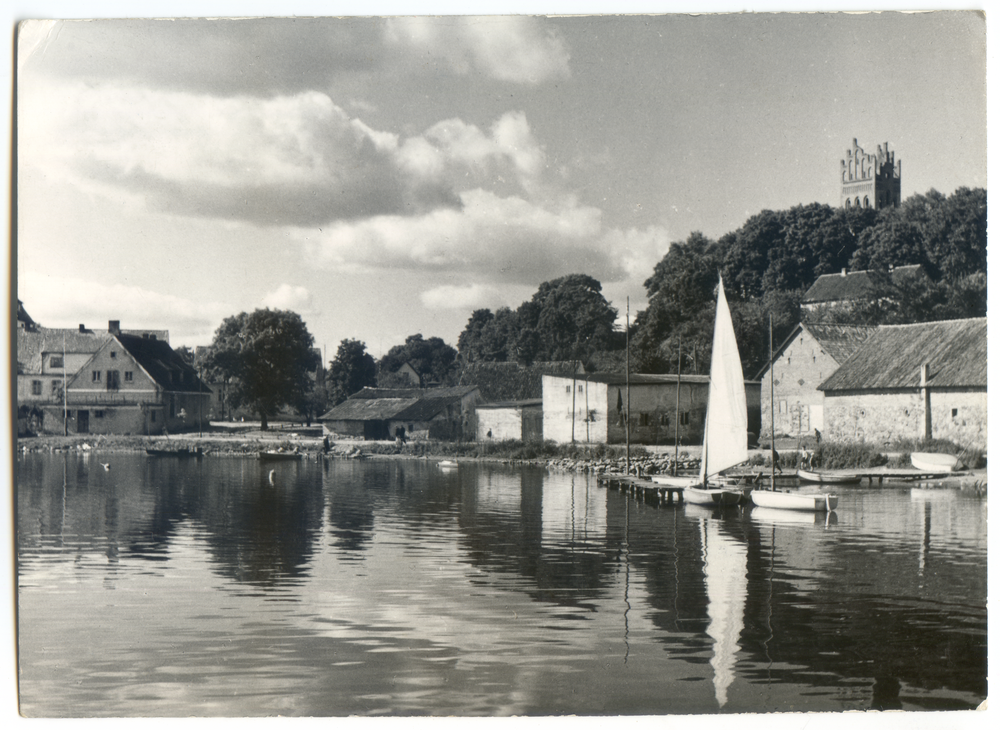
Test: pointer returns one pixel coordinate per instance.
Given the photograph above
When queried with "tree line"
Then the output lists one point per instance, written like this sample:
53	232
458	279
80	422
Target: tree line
766	266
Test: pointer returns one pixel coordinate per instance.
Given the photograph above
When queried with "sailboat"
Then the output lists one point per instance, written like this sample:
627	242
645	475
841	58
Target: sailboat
725	443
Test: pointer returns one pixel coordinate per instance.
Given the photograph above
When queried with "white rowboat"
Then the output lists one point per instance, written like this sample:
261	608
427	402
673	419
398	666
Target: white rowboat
927	461
821	477
788	500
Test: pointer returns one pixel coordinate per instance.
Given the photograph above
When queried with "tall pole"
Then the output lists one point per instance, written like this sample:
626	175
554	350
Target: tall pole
770	357
677	410
628	397
572	427
65	410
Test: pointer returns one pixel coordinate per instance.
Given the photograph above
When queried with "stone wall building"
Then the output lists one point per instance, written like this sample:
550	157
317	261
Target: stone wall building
870	180
912	381
510	421
807	357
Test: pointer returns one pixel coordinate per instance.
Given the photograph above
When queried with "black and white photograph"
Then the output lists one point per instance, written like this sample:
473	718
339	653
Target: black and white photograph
500	365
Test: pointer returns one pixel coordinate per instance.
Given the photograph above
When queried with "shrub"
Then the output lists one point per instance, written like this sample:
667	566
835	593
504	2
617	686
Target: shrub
848	456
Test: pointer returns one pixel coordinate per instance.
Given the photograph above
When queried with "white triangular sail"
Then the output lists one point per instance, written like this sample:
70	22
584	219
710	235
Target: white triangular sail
726	421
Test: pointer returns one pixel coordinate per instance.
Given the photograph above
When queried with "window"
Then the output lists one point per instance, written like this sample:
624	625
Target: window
128	376
664	419
114	380
56	361
95	376
36	387
568	389
113	354
56	387
685	418
954	413
152	416
643	419
579	389
98	414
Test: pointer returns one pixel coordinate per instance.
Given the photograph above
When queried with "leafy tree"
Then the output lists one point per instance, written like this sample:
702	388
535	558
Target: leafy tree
351	370
569	317
267	357
433	359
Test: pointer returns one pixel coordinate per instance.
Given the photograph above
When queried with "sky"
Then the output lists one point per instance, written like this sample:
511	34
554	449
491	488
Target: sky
386	176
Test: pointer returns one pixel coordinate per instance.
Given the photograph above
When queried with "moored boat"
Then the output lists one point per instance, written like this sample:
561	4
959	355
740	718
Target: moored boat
183	452
447	464
827	477
712	496
794	501
278	455
927	461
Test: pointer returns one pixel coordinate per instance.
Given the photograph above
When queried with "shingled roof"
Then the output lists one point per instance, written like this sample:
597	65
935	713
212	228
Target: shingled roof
406	404
954	350
852	285
161	362
839	341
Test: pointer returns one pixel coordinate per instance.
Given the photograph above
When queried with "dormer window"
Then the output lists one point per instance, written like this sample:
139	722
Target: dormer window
56	361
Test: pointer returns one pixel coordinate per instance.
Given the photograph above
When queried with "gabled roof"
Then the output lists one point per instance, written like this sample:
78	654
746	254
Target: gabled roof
839	341
367	409
955	351
407	404
31	344
852	285
161	362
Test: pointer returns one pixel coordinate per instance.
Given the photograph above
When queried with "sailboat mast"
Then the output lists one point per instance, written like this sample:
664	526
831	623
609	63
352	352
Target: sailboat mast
628	397
677	409
770	357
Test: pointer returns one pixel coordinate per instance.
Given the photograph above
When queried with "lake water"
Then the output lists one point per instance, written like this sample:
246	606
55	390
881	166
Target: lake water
168	587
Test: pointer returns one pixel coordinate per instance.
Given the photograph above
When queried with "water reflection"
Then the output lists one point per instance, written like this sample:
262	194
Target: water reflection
395	587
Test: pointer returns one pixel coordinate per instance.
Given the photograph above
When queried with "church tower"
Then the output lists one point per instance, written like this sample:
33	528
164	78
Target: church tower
869	181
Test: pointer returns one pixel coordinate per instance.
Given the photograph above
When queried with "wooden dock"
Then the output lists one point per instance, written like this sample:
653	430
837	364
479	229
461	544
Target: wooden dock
644	488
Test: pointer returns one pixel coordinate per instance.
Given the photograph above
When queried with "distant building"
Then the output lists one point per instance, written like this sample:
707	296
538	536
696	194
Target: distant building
838	292
809	355
914	381
123	392
375	414
136	384
870	180
591	408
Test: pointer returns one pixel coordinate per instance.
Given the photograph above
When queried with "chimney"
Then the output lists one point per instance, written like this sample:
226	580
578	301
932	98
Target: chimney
114	327
82	328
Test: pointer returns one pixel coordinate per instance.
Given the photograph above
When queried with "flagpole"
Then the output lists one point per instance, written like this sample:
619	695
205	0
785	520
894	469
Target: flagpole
677	410
65	411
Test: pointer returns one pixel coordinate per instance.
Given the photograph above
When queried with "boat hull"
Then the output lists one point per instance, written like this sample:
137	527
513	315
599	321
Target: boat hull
819	477
787	500
926	461
278	456
712	496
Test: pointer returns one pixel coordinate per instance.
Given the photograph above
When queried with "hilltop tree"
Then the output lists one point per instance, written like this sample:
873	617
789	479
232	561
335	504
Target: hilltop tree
350	371
268	359
433	359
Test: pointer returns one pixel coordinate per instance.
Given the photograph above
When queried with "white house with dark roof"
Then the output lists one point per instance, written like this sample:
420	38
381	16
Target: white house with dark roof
912	381
803	360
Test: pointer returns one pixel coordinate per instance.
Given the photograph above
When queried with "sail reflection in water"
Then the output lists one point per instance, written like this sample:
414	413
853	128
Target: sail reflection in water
197	587
726	585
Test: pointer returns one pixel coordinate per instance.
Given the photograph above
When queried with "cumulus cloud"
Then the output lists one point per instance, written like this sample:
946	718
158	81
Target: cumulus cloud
469	296
509	238
267	56
296	298
511	48
292	160
50	298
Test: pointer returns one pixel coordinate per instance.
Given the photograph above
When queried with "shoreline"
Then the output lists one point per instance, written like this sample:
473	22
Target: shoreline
585	459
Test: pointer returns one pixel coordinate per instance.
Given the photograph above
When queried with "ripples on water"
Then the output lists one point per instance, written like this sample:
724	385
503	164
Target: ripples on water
194	587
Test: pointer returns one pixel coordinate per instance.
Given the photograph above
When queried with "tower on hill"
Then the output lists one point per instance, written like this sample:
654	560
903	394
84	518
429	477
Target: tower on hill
869	181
